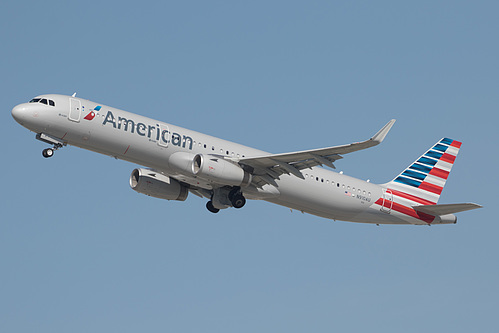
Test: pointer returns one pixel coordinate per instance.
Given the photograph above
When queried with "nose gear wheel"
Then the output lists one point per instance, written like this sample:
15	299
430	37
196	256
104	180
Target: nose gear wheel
49	152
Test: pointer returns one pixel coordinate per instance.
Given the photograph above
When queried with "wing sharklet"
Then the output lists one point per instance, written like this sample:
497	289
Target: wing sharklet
380	136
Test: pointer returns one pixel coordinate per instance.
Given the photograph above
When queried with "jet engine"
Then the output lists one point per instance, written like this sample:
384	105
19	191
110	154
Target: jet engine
155	184
181	162
218	170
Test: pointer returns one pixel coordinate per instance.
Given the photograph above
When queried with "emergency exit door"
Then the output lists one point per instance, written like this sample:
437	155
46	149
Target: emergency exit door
387	204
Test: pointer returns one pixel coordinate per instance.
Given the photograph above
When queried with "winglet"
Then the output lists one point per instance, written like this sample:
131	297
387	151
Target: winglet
380	136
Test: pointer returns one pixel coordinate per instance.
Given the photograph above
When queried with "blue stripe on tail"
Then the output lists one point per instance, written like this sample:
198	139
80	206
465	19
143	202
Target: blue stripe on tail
407	181
420	167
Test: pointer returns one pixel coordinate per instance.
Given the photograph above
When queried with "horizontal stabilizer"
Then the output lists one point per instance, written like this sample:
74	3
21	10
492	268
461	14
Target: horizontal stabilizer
437	210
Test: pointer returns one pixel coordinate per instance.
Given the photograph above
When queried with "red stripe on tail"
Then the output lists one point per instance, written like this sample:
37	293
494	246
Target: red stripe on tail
439	173
405	210
412	197
430	188
448	158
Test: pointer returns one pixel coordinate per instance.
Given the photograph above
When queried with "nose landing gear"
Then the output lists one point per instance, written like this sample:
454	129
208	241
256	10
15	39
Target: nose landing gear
49	152
56	142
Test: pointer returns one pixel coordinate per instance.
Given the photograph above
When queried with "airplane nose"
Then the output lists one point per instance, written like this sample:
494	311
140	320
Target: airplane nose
19	113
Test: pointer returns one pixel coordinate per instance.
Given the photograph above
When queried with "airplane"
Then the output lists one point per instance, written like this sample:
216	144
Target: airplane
177	161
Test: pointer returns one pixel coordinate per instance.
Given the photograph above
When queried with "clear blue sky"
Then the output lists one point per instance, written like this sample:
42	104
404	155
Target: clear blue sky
81	252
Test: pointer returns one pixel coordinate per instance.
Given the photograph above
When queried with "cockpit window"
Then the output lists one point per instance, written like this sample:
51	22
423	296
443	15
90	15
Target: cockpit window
43	101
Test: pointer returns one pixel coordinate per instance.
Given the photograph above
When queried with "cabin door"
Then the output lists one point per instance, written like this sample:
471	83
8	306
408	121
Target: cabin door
74	110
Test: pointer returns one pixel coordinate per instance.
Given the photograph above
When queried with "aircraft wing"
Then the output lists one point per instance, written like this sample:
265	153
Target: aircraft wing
267	168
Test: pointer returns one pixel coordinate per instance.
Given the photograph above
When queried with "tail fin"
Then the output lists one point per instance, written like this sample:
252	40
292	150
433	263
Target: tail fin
424	180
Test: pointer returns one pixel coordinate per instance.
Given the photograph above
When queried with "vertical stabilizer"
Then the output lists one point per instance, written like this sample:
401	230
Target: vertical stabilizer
423	181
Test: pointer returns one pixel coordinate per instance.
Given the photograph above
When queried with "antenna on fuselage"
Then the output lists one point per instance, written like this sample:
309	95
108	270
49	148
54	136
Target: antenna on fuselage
74	95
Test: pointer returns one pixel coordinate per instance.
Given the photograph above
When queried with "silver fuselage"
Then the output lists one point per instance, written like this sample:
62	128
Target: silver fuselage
139	140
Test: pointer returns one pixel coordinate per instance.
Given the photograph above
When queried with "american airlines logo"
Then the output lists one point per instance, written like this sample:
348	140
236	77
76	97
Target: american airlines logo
154	133
92	113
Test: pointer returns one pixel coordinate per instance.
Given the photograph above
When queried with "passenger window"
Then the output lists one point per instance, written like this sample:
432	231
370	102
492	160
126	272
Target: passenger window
338	184
51	102
44	101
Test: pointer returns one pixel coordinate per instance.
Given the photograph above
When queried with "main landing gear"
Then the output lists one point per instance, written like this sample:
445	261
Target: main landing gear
236	198
56	142
224	198
209	206
238	201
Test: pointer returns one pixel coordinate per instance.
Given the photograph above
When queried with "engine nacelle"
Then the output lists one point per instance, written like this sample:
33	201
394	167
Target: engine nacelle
220	171
181	162
155	184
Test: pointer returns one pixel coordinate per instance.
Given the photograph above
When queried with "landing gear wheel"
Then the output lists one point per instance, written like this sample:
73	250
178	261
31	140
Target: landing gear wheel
238	201
209	206
49	152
